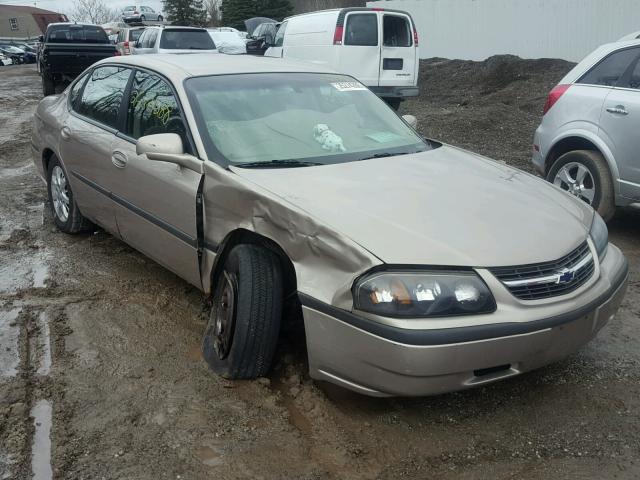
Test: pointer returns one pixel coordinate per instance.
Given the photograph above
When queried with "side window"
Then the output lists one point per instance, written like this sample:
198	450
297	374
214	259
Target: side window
609	70
279	40
396	31
142	40
153	108
75	90
632	80
152	37
362	29
103	94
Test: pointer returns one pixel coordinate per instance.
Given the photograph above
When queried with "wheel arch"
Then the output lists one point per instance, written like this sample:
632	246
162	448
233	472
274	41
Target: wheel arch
582	141
244	236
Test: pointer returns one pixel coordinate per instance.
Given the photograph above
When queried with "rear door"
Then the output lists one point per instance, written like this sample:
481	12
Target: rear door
398	59
87	141
360	50
620	124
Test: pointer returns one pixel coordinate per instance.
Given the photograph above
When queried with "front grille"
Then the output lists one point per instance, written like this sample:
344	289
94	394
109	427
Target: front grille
548	279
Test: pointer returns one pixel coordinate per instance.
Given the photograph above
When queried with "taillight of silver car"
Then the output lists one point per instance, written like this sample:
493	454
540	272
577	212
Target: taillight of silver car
554	96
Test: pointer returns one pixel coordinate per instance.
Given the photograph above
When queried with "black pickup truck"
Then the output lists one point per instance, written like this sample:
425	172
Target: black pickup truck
68	49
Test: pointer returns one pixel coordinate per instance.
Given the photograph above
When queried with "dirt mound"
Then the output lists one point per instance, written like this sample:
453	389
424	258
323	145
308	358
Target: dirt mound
492	107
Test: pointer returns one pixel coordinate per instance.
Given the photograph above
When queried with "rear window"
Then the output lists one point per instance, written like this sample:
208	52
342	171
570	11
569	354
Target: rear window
186	40
362	30
127	9
396	31
610	70
76	34
134	35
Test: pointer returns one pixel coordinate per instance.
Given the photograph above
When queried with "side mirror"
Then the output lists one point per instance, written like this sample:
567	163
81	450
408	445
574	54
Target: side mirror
411	121
167	147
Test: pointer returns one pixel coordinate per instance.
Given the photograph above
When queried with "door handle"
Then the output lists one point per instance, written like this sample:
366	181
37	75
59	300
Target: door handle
619	110
119	159
65	133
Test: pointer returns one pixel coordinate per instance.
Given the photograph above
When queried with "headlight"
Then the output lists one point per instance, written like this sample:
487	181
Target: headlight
428	294
599	235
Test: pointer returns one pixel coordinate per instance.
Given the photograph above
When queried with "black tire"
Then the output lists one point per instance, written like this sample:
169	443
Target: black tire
394	103
48	85
604	198
75	221
160	18
255	311
142	19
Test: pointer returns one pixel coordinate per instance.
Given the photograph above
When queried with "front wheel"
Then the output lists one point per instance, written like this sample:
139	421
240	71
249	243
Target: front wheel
160	18
585	174
142	18
244	323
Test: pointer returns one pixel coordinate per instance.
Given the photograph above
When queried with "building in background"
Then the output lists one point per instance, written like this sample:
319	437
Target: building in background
19	23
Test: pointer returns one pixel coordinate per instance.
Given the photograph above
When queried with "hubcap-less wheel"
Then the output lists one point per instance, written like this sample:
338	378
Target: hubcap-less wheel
576	179
60	193
223	316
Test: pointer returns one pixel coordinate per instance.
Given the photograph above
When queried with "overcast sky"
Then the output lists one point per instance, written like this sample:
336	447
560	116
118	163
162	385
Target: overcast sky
65	6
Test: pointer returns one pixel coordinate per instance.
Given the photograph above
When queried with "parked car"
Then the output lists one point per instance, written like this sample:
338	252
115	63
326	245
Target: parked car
262	38
228	42
4	60
127	39
141	14
377	46
113	28
16	55
587	143
420	268
173	40
68	49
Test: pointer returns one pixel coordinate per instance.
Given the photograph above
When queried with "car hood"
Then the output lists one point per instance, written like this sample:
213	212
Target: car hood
441	207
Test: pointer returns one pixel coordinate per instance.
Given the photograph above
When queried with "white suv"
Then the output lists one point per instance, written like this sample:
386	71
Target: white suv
589	140
174	40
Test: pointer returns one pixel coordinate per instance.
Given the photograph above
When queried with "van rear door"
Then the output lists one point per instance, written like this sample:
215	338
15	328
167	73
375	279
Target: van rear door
398	57
360	51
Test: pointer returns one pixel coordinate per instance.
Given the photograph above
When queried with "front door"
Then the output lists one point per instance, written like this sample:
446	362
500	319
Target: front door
87	141
156	201
398	52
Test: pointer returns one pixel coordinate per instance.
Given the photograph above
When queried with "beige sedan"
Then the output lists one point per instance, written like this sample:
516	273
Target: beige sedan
419	268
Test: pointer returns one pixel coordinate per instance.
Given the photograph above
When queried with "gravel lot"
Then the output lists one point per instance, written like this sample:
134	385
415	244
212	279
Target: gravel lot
101	346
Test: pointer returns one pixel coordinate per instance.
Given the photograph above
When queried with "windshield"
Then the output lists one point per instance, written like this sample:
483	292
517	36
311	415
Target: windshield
76	34
186	40
302	117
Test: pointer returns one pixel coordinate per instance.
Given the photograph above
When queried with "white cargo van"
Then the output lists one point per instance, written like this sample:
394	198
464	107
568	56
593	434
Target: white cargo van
377	46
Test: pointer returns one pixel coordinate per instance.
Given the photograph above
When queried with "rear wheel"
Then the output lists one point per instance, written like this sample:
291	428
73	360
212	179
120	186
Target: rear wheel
160	18
245	317
585	174
142	19
66	214
48	85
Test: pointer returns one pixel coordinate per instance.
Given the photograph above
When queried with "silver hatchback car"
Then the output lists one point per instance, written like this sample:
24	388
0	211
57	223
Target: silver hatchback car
276	186
588	142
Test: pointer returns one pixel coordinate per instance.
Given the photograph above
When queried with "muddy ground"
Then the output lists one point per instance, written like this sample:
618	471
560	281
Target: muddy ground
101	374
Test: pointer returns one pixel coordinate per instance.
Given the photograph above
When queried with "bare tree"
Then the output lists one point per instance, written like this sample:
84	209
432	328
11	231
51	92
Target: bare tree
92	11
212	7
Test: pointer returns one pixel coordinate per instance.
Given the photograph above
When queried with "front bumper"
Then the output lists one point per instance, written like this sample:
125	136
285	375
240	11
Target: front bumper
390	361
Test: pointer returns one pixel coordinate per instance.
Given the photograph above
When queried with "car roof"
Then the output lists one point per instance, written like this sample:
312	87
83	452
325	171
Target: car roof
177	67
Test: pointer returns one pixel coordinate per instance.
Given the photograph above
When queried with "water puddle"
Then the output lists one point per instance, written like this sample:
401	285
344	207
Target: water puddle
41	450
20	271
9	334
40	272
210	455
45	343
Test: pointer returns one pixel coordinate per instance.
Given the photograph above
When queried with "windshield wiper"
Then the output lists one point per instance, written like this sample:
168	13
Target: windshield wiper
385	154
279	164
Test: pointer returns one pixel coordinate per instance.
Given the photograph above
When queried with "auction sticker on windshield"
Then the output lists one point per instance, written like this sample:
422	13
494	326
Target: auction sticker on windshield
348	86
